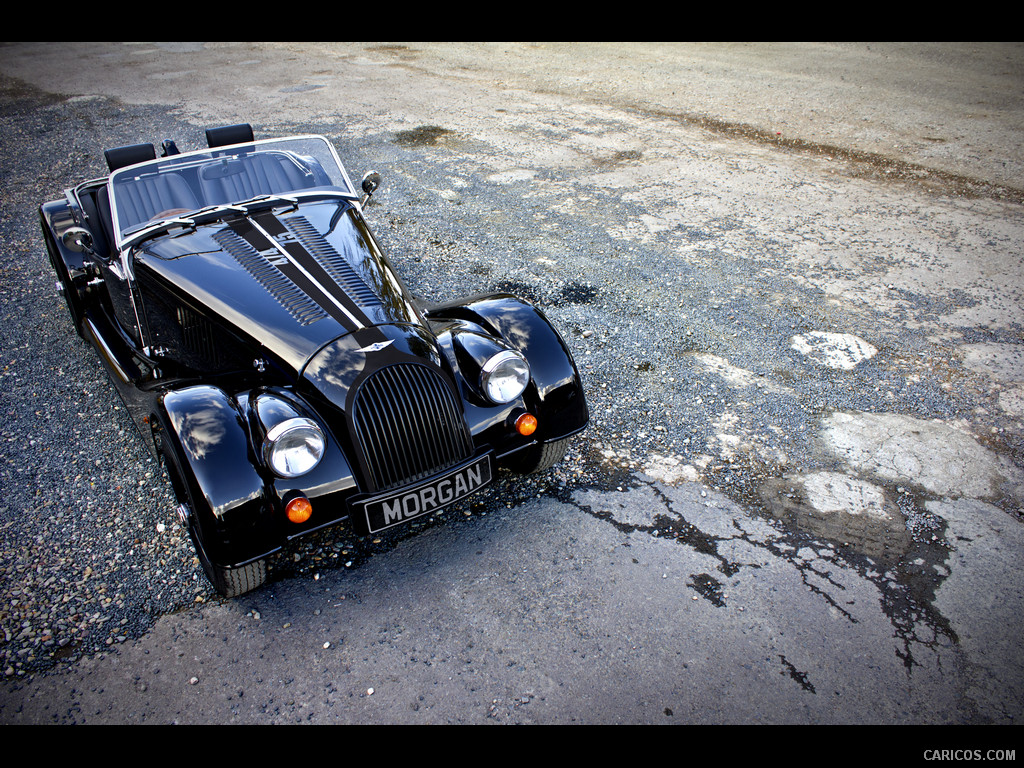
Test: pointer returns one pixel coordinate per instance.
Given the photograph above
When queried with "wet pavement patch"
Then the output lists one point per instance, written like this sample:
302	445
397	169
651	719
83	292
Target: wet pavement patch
840	508
708	587
617	158
301	88
578	293
797	675
421	136
520	289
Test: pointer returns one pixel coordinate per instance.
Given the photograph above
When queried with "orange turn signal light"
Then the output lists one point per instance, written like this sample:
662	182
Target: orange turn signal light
526	424
298	509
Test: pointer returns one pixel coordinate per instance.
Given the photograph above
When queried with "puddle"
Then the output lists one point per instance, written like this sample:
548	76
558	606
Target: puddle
421	136
840	508
618	158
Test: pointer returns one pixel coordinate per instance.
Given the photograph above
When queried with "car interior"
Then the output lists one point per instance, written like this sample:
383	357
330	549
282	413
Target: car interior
155	195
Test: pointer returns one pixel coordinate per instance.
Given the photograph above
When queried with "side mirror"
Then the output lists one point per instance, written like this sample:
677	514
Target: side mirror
77	239
371	180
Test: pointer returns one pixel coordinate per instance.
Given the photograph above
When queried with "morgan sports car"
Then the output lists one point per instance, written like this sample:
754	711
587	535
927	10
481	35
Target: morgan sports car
274	362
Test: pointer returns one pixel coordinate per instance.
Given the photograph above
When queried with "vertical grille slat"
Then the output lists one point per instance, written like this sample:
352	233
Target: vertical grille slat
397	421
408	425
419	446
398	416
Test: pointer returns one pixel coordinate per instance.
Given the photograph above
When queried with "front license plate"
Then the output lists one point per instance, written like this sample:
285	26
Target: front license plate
398	506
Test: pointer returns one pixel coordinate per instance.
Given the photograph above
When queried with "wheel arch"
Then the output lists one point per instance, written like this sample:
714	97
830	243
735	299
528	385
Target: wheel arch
55	218
556	391
200	434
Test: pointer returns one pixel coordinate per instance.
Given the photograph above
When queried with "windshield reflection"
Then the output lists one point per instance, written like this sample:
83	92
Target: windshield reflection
175	190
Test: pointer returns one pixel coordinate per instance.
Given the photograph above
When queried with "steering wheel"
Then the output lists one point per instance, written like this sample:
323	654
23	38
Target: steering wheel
169	213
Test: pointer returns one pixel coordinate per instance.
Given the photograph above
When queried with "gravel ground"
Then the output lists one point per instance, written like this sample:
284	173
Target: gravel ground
93	558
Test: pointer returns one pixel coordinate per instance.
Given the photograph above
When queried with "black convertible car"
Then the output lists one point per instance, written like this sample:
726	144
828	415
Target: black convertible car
273	360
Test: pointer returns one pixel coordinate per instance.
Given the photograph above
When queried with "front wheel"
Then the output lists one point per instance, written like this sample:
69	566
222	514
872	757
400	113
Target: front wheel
66	288
229	582
540	457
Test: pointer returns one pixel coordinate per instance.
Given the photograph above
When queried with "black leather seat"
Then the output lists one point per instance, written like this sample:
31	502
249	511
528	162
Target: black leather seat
229	134
141	198
260	173
119	157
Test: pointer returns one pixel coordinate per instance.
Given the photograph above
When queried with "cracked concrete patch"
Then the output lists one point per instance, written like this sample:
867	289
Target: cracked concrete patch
842	351
735	376
1004	362
835	492
1012	401
940	458
513	176
670	470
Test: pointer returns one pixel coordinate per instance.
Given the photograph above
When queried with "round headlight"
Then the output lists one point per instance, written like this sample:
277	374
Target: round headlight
293	447
504	376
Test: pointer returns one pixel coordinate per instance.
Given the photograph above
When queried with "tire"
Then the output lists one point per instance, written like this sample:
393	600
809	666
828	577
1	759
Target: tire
540	457
232	582
67	289
229	582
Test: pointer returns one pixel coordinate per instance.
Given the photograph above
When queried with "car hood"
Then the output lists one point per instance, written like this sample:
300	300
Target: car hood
293	282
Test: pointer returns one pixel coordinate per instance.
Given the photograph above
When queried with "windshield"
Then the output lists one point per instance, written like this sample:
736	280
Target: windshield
172	187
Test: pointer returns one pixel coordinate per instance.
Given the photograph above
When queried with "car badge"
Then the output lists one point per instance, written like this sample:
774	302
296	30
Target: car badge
376	347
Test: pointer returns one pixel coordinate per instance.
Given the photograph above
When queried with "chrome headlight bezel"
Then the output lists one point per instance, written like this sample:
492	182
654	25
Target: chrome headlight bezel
294	447
504	376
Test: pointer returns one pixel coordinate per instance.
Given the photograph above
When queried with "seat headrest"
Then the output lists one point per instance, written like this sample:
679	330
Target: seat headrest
229	134
131	154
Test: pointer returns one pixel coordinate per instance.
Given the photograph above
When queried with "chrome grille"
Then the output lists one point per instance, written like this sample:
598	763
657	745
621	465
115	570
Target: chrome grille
409	425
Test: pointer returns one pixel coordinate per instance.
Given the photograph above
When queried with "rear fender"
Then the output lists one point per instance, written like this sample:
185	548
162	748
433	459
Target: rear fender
56	219
71	268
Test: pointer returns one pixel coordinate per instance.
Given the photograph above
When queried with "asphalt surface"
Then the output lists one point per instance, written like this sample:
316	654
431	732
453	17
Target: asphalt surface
791	278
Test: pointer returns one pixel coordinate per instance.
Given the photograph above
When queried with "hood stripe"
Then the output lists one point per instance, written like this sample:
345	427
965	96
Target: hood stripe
265	233
334	264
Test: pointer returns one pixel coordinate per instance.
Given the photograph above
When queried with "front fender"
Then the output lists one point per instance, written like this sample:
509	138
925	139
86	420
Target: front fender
206	436
556	391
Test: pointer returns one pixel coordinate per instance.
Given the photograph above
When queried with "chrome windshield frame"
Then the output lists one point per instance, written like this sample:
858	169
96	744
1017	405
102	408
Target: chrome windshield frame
294	146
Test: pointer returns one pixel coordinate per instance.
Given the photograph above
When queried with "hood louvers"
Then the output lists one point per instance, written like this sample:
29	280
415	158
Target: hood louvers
267	274
333	263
